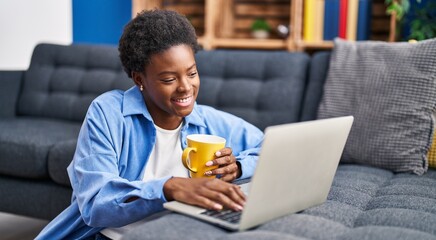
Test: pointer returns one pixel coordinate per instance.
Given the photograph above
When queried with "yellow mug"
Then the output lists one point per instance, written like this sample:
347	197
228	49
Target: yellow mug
201	149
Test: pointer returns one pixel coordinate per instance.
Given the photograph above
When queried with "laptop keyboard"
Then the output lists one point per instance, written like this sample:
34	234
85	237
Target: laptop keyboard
226	215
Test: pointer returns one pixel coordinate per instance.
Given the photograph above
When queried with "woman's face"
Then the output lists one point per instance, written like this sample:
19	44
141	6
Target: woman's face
171	84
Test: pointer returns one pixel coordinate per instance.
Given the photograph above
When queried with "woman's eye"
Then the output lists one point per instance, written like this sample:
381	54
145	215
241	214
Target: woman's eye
193	74
168	80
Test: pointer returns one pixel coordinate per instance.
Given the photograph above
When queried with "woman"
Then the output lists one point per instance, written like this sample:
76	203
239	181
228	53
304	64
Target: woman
128	157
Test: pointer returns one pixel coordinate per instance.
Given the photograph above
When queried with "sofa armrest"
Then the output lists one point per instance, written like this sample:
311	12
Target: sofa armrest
10	85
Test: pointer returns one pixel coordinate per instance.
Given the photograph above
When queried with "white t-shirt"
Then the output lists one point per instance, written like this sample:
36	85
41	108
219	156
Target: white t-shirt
166	156
165	160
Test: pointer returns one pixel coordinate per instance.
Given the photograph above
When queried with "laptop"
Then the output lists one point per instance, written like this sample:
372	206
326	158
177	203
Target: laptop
295	171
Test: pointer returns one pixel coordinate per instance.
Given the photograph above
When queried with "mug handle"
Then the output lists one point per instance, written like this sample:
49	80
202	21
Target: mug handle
185	157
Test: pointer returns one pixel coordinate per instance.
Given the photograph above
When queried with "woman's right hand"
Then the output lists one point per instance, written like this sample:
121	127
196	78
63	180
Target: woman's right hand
203	192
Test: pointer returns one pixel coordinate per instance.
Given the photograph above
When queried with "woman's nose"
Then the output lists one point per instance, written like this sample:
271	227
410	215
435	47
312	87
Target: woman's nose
184	85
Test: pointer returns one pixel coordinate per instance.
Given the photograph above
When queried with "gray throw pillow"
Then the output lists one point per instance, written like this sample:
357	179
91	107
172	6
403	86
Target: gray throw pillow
390	89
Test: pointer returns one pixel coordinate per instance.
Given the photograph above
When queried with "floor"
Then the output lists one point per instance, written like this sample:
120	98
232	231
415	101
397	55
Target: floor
14	227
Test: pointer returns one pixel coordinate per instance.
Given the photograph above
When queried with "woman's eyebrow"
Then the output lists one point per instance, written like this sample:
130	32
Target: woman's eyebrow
166	72
171	72
193	65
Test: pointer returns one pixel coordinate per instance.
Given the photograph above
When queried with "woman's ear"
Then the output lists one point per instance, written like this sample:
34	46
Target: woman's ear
137	78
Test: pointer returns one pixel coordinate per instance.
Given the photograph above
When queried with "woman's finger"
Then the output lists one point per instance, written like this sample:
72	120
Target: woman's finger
224	151
223	156
226	169
224	160
226	194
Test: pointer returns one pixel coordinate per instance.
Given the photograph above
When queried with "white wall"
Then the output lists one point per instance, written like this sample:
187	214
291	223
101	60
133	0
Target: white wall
24	23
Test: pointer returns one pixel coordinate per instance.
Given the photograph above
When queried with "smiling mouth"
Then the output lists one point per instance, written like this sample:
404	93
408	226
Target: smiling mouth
183	100
186	101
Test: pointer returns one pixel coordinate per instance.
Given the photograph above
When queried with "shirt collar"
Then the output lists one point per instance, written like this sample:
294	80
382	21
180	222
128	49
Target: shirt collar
133	104
195	118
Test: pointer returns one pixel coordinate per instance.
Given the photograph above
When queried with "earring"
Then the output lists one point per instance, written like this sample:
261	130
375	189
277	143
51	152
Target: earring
141	88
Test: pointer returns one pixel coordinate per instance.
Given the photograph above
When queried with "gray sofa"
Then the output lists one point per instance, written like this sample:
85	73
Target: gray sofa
42	109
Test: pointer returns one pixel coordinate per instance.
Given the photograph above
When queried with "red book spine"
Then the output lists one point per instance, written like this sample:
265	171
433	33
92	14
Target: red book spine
343	4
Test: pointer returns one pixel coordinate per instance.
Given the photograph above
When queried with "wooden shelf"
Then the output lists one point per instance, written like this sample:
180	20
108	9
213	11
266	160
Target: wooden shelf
226	23
315	45
247	43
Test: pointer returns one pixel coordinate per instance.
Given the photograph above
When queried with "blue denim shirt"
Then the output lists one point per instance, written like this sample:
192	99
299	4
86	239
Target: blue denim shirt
113	147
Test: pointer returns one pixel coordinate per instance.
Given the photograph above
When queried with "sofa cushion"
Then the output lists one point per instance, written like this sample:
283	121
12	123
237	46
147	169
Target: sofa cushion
390	90
363	203
10	82
42	199
62	81
319	65
26	142
264	88
59	157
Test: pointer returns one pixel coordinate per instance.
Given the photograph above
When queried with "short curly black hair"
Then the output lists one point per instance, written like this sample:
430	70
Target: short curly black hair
152	32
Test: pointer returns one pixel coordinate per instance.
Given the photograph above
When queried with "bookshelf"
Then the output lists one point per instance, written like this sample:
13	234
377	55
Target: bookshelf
226	23
232	31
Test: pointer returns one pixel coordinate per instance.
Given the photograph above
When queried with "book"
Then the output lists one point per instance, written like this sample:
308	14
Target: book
331	19
319	20
309	17
364	20
343	18
352	12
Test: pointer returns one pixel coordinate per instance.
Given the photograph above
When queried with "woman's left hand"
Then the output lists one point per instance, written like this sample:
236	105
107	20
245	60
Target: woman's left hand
228	169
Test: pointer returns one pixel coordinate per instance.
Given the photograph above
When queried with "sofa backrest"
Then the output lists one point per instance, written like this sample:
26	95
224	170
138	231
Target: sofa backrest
319	64
62	81
263	87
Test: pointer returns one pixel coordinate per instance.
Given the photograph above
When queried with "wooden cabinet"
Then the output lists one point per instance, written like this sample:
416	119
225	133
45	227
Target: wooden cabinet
226	23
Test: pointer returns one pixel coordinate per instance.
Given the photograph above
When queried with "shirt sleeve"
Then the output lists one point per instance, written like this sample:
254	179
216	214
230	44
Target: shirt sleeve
104	198
248	164
247	147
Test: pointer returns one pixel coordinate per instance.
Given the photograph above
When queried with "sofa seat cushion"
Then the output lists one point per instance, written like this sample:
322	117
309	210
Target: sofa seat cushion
363	203
59	157
25	143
